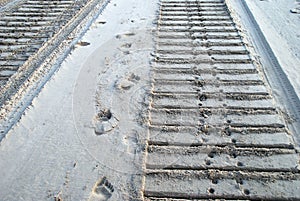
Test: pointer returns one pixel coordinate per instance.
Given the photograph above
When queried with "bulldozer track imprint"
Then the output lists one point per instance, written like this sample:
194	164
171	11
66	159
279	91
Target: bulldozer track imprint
35	37
214	131
27	27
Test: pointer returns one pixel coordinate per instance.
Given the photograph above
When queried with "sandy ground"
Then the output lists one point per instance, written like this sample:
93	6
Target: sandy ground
3	2
63	146
282	30
83	137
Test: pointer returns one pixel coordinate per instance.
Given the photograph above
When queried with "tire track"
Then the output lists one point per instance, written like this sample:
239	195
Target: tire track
214	131
275	74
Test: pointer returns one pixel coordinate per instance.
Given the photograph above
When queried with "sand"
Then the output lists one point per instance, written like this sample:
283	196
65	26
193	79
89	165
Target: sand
282	31
84	135
56	151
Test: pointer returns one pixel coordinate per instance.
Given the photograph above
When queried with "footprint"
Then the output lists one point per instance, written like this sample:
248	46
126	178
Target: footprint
105	122
134	78
295	10
101	22
102	190
119	36
127	45
83	43
104	115
124	84
127	82
58	197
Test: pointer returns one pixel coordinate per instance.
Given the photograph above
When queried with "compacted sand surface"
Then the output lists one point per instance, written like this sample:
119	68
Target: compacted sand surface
282	30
